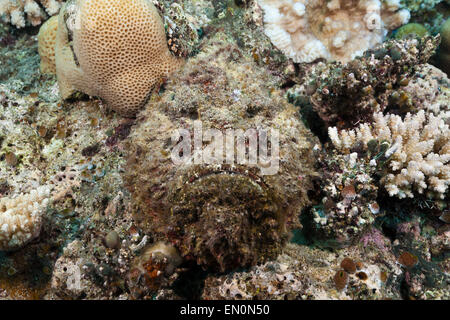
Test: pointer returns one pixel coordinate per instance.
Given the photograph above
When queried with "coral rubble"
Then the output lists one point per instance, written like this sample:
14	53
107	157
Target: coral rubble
119	64
349	204
344	95
352	205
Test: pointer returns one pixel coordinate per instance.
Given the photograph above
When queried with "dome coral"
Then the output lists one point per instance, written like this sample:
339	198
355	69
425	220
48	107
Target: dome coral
115	50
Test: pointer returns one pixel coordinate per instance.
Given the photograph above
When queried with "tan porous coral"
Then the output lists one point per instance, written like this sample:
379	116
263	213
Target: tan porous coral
306	30
21	217
416	152
119	51
21	12
46	48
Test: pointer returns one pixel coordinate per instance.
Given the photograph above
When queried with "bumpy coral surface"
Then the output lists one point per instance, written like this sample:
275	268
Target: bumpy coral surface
349	202
418	156
47	41
428	89
21	217
121	61
21	12
306	30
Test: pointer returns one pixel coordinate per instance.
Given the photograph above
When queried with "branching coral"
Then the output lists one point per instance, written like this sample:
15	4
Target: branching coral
306	30
19	12
416	155
21	217
344	95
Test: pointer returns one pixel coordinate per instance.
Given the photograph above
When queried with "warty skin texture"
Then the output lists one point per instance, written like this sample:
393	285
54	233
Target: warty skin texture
220	216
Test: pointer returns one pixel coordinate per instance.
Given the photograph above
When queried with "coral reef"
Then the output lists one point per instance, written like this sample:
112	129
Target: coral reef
120	65
420	5
21	217
300	273
417	153
181	31
431	14
21	12
306	30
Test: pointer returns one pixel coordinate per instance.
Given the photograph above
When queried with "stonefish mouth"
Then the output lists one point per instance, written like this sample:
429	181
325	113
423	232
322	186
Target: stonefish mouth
219	217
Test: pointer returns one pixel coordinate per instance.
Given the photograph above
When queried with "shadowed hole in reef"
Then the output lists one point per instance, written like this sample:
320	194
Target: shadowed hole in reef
404	291
190	284
304	236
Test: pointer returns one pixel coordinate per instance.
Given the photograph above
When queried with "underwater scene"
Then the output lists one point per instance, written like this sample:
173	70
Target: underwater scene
224	150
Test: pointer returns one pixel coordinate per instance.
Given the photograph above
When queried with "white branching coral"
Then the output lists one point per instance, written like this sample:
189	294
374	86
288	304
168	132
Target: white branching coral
21	217
19	12
417	154
306	30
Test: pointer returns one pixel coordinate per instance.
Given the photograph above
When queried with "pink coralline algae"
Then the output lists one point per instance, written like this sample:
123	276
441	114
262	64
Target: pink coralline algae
375	237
